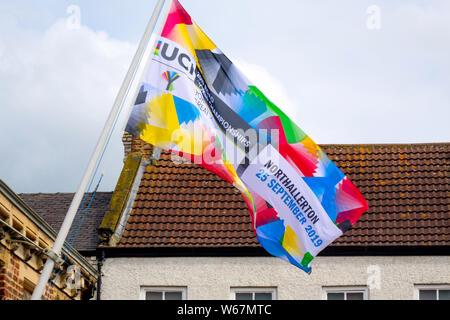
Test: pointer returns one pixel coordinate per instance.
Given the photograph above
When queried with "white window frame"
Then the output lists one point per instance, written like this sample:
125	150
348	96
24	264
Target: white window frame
145	289
345	290
437	287
234	290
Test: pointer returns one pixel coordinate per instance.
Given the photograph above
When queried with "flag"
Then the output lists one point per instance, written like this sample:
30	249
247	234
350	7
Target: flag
196	103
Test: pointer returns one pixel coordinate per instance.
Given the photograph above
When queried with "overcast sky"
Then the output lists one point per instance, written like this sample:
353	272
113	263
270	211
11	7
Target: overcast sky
344	71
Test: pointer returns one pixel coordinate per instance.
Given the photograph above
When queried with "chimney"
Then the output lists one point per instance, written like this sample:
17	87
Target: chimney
132	144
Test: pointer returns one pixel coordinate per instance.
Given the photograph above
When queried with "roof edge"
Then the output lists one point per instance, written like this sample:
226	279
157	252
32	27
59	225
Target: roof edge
120	197
386	144
44	226
58	193
164	252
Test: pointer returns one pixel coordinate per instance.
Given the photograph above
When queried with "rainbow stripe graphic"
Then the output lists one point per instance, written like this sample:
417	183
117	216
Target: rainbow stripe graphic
158	47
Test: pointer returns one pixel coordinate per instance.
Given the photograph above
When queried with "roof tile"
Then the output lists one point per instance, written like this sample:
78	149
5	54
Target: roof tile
53	208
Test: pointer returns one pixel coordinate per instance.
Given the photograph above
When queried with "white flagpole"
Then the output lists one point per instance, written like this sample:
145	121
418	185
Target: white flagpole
129	85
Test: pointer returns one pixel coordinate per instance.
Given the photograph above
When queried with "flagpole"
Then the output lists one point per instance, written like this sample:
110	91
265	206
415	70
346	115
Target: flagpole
129	85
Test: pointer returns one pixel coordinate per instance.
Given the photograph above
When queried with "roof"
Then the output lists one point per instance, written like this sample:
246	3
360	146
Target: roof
44	226
406	186
53	208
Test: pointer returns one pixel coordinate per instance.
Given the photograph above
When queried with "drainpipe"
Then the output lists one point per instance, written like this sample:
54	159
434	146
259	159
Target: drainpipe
100	260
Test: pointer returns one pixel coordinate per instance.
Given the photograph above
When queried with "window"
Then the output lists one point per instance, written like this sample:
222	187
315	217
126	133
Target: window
432	292
253	293
345	293
163	293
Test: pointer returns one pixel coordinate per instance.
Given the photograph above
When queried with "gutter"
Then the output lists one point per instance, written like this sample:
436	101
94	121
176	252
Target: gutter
100	260
256	251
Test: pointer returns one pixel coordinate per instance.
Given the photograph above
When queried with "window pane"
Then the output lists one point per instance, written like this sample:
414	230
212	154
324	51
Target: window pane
244	296
263	296
427	295
444	294
336	296
153	295
174	296
355	296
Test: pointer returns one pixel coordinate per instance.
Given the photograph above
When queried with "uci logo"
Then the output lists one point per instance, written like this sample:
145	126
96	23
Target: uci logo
173	54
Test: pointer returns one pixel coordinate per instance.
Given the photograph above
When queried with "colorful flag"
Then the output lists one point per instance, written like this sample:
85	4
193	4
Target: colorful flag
196	103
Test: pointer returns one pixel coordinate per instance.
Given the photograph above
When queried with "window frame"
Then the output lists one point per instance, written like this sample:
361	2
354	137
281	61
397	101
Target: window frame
253	290
345	290
145	289
437	287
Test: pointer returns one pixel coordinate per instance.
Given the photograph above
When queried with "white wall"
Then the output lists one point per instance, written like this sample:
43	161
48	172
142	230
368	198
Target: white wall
211	278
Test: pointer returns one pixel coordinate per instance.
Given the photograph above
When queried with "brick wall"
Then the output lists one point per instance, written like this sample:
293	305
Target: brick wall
12	277
127	142
2	283
11	284
52	293
133	144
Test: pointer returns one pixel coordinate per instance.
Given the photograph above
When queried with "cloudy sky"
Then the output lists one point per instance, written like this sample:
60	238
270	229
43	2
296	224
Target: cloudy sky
345	71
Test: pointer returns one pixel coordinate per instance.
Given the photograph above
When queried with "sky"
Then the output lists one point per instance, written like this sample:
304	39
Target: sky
347	72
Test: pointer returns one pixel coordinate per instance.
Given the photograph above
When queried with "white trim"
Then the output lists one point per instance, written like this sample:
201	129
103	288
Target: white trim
345	290
253	290
418	287
145	289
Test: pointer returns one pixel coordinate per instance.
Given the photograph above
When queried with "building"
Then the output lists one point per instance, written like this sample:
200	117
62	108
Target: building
25	238
176	231
53	208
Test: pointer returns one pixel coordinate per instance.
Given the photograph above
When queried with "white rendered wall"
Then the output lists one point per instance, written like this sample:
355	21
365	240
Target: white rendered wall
211	278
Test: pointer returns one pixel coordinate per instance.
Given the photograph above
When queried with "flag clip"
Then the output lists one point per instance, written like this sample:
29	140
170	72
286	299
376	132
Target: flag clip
52	255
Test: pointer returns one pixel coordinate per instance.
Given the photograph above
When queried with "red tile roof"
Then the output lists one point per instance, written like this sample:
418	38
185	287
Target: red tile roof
406	186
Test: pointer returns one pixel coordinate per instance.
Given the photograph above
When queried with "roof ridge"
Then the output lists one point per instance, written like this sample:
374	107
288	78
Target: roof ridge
386	144
57	193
